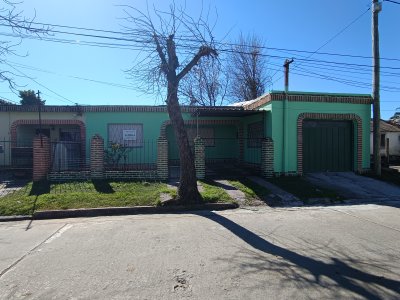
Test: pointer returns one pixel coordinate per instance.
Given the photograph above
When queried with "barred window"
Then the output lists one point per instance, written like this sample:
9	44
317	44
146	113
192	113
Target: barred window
128	135
255	132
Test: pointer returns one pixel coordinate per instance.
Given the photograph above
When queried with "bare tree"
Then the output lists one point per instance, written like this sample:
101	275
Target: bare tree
19	26
207	84
395	119
173	33
247	68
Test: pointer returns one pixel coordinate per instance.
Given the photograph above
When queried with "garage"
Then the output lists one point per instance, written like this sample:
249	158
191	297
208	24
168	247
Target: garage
327	146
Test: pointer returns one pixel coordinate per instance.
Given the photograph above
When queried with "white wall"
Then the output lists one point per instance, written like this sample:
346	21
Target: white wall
394	144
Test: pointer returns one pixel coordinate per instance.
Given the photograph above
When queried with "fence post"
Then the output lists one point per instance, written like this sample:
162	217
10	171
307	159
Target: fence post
162	158
41	157
267	157
199	158
97	157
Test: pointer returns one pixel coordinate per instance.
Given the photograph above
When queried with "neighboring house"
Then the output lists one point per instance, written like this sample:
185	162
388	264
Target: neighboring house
307	132
389	140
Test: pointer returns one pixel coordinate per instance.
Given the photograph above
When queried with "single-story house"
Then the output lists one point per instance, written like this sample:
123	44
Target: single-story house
389	141
308	132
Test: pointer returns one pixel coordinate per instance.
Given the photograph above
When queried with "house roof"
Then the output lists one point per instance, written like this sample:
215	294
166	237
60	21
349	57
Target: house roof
236	109
304	97
121	108
386	127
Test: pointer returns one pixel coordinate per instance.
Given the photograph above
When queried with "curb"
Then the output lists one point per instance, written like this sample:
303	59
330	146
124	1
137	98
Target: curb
117	211
14	218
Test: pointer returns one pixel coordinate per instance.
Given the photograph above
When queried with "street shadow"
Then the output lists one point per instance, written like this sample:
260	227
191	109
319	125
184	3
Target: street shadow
103	186
343	274
32	214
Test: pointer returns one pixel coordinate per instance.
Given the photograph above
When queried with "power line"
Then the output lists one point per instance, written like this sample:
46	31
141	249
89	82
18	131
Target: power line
188	39
228	50
38	83
219	43
118	85
392	1
132	47
331	39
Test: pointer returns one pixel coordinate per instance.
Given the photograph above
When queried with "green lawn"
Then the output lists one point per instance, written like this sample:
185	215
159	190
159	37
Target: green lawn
92	194
304	190
213	194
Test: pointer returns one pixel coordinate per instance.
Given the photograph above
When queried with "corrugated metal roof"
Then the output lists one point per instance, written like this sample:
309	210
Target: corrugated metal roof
386	127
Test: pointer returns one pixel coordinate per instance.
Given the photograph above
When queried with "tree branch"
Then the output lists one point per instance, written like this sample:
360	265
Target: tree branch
203	51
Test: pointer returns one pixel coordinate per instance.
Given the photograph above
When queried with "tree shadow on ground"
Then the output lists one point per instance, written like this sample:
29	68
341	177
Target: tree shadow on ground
340	272
40	188
103	186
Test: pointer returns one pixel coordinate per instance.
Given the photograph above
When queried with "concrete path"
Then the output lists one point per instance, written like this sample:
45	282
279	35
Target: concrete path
336	252
354	186
233	192
10	186
286	198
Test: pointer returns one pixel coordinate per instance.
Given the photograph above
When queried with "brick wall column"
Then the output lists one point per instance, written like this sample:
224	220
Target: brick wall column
162	158
41	157
267	157
97	157
199	158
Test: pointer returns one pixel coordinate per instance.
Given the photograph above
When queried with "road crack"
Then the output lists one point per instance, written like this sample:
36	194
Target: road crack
50	238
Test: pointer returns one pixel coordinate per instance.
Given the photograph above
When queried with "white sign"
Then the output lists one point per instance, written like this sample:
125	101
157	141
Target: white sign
129	135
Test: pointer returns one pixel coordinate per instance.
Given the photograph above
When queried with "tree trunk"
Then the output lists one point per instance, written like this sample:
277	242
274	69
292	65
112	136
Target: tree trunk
187	190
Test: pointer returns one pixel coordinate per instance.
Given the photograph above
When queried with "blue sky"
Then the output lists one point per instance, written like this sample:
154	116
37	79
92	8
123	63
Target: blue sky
299	25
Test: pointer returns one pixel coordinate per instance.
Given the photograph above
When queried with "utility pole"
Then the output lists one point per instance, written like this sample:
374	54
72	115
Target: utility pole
285	118
376	8
286	66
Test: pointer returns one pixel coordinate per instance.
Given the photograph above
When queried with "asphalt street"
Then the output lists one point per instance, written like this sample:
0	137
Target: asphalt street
334	252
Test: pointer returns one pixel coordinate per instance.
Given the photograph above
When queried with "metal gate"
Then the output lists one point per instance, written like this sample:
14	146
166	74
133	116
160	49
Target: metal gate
327	146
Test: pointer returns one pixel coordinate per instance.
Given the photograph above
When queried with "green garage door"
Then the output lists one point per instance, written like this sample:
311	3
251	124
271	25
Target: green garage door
327	146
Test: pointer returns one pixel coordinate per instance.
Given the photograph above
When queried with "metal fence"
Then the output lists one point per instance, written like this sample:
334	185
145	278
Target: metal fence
142	156
66	156
16	155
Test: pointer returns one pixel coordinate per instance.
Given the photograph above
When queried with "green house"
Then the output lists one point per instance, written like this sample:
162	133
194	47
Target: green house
276	134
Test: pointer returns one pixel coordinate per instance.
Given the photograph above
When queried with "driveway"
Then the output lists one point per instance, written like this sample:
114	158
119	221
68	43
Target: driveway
336	252
9	184
353	186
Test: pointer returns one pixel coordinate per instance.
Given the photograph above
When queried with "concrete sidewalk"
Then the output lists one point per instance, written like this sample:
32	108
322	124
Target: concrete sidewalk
353	186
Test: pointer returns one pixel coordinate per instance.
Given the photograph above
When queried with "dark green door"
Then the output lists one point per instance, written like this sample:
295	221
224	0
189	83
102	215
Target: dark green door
327	146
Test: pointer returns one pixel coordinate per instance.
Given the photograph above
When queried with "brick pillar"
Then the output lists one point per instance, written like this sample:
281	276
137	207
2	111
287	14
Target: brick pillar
97	157
199	158
241	144
41	157
267	157
162	158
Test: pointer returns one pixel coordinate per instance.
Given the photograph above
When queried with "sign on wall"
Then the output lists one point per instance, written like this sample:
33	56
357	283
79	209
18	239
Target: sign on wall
129	135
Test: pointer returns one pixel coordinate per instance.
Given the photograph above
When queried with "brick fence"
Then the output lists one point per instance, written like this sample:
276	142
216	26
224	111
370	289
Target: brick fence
97	157
267	157
41	157
199	158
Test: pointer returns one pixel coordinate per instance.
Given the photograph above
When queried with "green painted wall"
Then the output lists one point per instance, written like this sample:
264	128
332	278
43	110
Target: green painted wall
294	110
252	154
226	144
97	123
